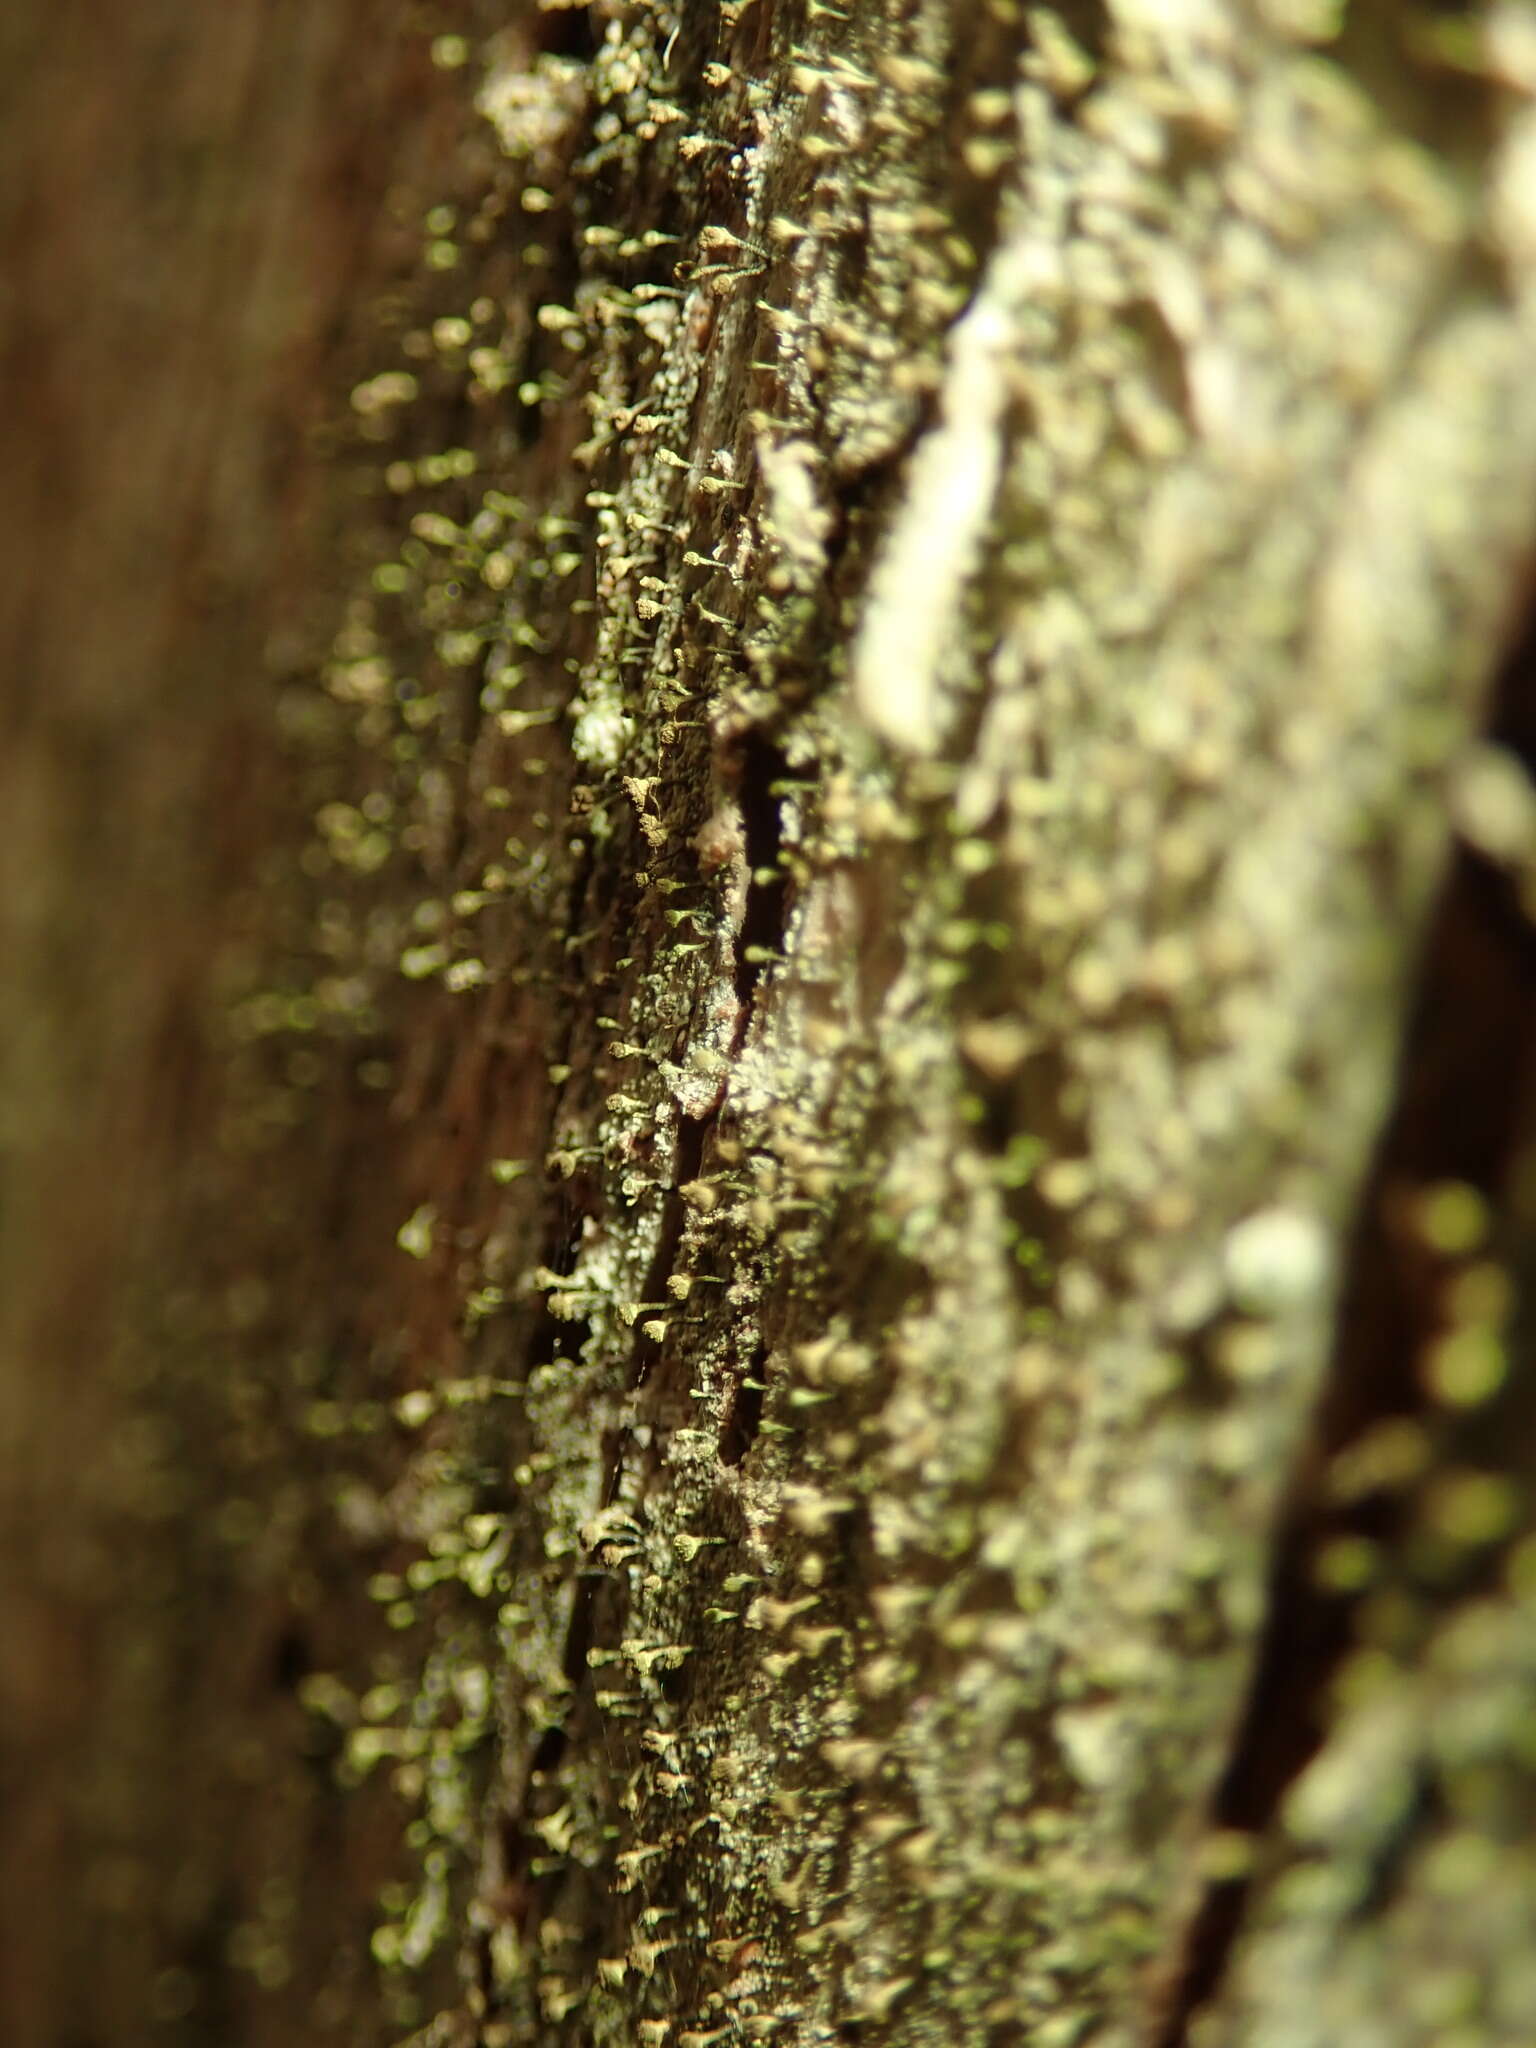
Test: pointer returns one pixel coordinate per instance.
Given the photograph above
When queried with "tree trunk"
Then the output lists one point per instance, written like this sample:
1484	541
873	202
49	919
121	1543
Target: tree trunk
831	1345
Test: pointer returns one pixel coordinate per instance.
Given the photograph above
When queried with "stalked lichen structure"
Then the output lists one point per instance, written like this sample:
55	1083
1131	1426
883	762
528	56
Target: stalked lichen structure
934	567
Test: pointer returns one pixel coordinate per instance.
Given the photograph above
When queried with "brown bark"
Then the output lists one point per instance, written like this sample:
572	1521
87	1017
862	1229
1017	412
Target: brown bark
784	1364
192	199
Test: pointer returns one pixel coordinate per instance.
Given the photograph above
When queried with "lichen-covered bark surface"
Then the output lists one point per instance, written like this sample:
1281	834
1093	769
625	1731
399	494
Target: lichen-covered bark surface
934	569
923	579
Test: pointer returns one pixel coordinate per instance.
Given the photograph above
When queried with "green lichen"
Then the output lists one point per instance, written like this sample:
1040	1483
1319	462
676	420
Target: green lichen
906	769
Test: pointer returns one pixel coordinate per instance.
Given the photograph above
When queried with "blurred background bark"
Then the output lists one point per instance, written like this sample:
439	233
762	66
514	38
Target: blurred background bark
195	203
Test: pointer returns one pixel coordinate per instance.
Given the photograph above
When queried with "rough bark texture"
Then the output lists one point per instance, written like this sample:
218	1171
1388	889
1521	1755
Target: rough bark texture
847	1396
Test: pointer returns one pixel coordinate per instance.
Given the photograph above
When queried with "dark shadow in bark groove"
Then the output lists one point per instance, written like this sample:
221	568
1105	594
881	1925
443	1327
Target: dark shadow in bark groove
691	1131
762	926
745	1419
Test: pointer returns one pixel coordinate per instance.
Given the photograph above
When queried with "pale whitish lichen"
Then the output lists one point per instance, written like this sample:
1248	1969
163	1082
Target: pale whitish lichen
913	623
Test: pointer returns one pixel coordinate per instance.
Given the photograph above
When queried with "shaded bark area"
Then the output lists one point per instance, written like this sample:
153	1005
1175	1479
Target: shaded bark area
192	204
814	1393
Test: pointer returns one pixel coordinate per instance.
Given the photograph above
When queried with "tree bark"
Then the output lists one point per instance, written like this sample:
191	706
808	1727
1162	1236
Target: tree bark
834	1349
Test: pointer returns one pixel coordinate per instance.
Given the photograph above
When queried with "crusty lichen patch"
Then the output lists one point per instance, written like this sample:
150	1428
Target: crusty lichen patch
904	750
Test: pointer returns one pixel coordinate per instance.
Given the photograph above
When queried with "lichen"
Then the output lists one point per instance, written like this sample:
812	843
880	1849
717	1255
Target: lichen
899	767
